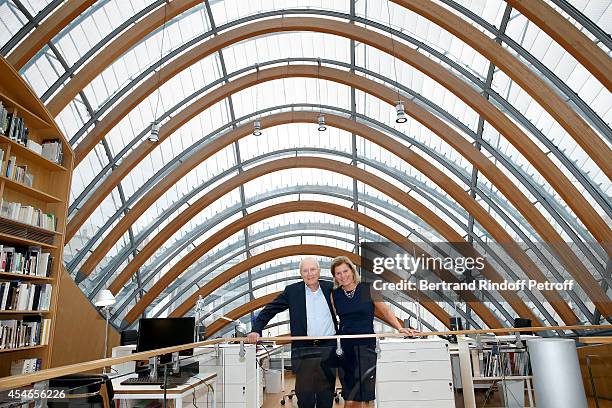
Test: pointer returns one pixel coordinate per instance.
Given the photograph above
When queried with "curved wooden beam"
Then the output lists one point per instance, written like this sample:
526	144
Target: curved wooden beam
253	305
319	250
539	160
331	165
48	29
577	127
485	314
569	37
437	176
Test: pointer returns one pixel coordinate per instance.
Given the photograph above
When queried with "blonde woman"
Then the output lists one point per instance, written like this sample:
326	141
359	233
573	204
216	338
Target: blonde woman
355	303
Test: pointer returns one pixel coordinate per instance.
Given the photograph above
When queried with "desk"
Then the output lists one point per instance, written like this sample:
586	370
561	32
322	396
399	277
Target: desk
126	395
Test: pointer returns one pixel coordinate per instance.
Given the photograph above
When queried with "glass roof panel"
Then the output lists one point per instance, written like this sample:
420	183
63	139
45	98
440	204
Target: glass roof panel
11	20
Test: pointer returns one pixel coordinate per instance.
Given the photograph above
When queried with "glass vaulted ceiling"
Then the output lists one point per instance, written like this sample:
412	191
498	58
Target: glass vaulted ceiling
72	50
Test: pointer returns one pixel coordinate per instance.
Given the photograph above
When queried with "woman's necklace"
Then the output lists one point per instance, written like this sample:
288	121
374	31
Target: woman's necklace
350	293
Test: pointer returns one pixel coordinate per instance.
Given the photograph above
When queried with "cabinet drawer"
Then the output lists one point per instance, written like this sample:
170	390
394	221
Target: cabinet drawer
231	405
400	355
416	404
413	371
414	390
413	344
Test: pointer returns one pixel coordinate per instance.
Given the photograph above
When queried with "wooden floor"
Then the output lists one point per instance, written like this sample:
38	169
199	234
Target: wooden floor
273	400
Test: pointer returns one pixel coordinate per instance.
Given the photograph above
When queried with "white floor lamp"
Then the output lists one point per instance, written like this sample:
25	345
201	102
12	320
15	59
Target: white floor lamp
105	299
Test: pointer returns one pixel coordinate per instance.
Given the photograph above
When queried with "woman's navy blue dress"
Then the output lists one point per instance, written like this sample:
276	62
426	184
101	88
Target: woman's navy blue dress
358	363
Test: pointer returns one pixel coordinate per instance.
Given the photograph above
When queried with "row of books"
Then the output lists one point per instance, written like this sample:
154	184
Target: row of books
25	366
28	332
21	296
13	126
28	215
18	173
25	260
500	363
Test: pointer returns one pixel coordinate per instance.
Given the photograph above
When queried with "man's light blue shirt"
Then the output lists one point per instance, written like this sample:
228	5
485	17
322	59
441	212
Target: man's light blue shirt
319	320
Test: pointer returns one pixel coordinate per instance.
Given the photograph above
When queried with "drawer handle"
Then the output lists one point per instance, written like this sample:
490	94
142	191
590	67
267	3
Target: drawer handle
416	390
414	370
412	351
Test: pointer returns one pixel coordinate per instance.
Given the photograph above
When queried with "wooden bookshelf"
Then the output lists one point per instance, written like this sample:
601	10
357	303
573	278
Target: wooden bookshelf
31	155
49	192
4	237
21	276
40	195
8	350
23	312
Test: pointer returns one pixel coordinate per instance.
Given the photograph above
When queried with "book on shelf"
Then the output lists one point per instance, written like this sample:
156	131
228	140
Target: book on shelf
35	147
52	150
19	173
4	119
28	332
25	260
25	366
20	296
28	215
23	176
10	167
17	131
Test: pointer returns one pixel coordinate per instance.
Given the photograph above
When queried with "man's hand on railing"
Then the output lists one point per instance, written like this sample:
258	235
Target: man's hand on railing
408	332
252	337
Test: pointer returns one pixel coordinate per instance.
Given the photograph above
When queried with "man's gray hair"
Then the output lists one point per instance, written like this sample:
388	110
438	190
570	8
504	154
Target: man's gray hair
310	258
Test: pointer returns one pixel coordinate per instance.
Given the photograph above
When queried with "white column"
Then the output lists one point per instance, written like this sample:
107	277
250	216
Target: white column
556	373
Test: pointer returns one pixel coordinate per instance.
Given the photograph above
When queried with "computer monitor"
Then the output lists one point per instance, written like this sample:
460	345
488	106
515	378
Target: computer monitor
156	333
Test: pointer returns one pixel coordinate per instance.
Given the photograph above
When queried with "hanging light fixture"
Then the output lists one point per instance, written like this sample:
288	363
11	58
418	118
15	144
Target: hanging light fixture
321	120
399	105
154	135
257	127
401	114
257	121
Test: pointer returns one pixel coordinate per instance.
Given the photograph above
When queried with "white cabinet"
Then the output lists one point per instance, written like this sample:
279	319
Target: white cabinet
238	381
414	373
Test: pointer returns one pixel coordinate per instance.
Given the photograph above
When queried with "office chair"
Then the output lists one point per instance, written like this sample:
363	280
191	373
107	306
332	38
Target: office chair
83	390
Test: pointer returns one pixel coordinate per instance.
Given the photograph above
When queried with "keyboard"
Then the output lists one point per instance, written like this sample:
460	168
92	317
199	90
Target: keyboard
151	381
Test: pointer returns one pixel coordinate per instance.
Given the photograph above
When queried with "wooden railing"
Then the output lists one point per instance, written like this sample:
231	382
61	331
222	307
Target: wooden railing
26	379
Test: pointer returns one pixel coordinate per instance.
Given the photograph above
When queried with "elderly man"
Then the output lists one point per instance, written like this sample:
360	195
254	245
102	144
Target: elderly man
310	313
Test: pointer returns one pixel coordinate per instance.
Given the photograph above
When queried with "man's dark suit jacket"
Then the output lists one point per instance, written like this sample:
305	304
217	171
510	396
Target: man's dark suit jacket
294	299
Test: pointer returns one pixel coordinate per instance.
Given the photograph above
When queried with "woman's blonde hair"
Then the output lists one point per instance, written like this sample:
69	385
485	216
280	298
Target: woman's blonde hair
339	260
